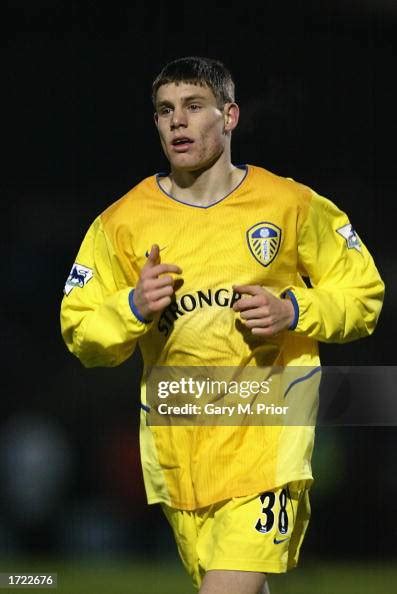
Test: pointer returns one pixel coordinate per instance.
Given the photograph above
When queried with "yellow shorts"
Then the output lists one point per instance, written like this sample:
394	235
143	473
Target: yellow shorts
254	533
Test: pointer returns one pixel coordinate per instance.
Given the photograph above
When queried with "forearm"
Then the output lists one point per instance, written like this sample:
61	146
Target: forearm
336	315
101	335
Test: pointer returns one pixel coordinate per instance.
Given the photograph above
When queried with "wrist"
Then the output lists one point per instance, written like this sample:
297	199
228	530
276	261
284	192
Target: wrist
135	310
293	307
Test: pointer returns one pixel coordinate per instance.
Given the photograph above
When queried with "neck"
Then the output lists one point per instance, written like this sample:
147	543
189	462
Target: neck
203	187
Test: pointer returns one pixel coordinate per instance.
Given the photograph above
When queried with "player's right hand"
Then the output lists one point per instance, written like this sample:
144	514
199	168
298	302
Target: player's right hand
154	291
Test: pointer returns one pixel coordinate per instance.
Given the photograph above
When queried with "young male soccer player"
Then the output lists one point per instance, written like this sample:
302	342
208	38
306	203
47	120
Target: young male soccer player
204	266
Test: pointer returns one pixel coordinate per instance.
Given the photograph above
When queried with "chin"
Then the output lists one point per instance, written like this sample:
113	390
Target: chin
189	164
185	164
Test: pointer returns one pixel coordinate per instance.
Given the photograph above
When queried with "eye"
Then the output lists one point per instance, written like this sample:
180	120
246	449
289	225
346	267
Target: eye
194	107
164	111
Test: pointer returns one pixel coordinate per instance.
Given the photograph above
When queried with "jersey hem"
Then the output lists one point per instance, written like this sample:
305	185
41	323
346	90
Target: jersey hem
254	565
308	478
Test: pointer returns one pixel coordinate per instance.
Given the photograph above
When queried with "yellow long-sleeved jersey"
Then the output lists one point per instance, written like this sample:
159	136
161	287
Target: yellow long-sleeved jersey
270	231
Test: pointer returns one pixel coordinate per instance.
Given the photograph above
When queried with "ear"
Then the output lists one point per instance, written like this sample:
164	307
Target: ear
156	118
231	114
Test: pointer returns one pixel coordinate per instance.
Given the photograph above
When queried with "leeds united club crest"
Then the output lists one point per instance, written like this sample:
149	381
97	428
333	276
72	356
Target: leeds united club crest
264	241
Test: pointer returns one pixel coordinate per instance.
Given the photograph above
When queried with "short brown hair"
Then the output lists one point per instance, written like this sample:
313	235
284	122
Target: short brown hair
197	70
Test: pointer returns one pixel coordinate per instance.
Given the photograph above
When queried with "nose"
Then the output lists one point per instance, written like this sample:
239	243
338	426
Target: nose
178	118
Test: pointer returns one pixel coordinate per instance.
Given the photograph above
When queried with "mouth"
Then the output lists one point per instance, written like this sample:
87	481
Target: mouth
181	144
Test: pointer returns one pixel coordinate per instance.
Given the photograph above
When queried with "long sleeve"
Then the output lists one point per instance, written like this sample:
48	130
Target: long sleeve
346	293
97	321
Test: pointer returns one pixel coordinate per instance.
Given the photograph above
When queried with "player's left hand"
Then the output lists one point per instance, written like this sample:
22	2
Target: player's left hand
262	312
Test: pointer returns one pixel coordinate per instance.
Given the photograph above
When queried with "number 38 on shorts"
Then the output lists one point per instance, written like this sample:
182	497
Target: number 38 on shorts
276	505
279	524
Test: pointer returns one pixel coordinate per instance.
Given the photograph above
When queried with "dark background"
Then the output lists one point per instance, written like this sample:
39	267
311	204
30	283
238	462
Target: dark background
315	84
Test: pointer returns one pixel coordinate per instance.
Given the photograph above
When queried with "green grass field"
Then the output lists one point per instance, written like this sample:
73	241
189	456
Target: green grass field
169	578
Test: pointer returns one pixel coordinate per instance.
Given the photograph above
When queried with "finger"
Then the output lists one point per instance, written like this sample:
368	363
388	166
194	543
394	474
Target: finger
161	281
268	332
160	304
248	289
254	314
261	323
158	294
247	303
154	256
155	271
149	285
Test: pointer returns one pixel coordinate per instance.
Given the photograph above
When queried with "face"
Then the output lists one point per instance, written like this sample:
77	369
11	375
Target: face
193	130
